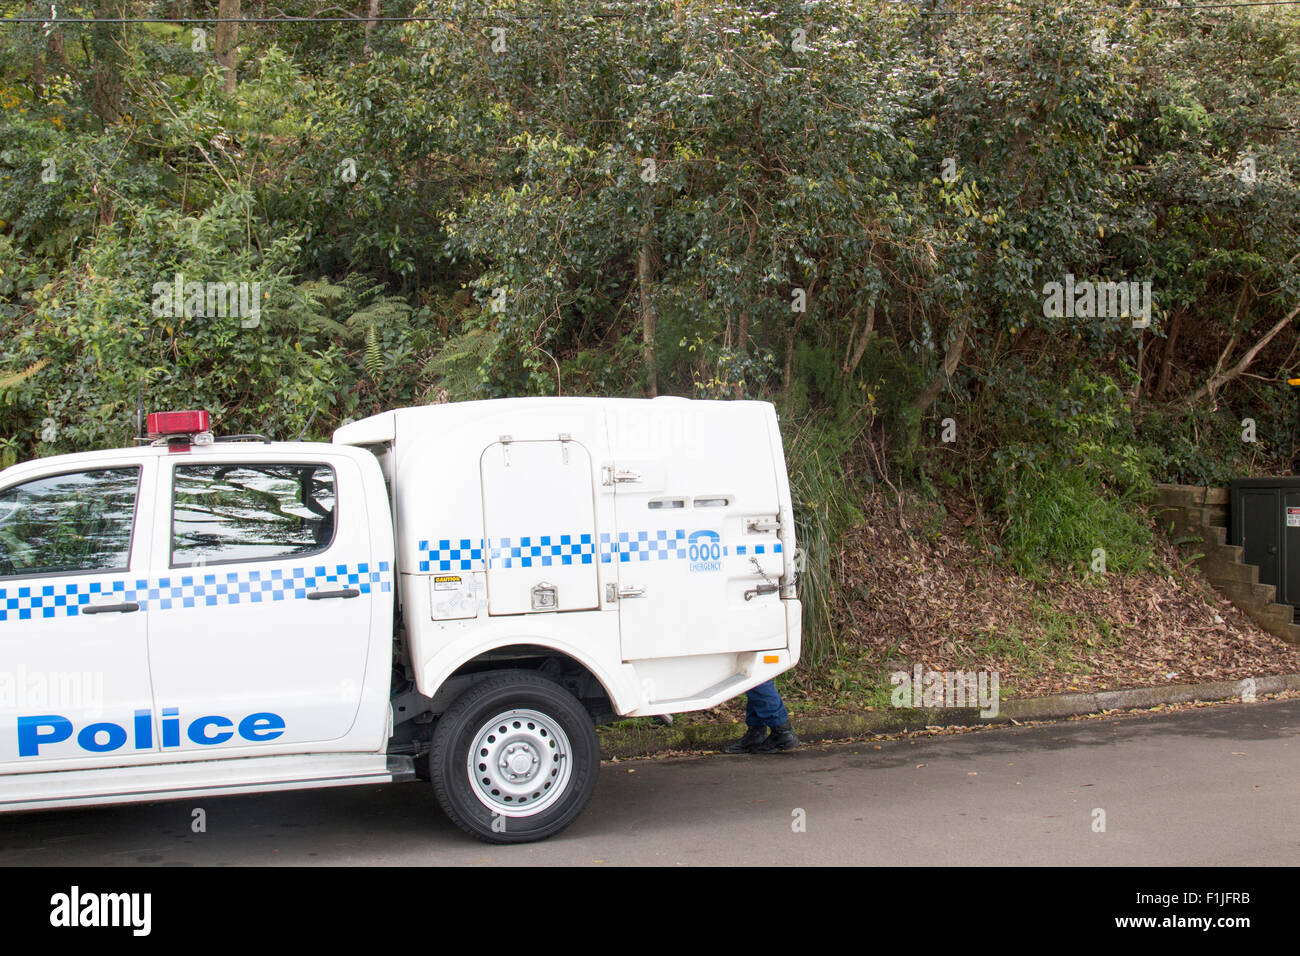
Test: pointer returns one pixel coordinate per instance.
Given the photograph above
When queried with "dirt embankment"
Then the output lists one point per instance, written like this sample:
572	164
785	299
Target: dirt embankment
925	590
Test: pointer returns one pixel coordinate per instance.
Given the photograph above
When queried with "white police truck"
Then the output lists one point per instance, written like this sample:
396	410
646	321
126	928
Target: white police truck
458	592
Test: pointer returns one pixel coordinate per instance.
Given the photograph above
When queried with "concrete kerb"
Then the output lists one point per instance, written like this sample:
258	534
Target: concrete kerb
646	741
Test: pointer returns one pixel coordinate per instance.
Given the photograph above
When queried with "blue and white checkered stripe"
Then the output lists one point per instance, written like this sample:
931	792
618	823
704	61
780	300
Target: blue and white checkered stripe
451	554
660	545
541	551
664	545
471	554
528	551
23	602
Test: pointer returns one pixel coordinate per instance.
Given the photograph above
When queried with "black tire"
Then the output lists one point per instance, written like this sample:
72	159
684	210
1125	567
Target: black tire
535	718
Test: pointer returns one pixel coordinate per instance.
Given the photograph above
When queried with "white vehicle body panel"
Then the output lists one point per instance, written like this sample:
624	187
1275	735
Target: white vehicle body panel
670	636
650	542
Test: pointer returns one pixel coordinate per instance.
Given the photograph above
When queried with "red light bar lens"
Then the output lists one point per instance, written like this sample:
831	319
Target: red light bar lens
176	423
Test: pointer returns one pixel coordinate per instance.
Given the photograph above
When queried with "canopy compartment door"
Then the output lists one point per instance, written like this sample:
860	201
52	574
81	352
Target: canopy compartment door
540	524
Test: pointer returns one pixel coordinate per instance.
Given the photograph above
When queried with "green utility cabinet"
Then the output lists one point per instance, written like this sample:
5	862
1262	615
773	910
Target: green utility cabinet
1264	518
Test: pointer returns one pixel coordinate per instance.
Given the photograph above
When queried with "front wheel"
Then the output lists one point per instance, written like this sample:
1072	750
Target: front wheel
514	759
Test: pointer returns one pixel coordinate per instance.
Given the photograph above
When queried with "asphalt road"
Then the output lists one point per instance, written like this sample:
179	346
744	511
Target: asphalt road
1206	786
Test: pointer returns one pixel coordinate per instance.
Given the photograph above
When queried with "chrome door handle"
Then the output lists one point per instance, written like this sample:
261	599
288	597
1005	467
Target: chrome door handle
631	591
125	608
326	595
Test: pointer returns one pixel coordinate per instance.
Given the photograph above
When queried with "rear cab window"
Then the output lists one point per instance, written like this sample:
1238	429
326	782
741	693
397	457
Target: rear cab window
252	511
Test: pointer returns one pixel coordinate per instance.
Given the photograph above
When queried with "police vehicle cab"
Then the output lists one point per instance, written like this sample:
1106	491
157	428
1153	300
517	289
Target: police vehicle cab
458	592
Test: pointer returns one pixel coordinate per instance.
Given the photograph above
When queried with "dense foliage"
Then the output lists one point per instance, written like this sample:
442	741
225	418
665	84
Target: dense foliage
855	209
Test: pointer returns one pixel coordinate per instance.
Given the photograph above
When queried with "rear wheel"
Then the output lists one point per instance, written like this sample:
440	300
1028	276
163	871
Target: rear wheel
514	759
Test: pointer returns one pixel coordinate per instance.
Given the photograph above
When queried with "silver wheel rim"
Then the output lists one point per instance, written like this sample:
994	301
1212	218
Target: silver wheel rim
519	763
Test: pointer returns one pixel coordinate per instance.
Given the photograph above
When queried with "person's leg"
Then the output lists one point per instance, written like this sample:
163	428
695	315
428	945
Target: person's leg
756	706
770	707
766	705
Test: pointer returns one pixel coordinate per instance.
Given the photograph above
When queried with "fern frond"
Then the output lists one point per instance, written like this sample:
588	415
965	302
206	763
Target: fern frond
17	378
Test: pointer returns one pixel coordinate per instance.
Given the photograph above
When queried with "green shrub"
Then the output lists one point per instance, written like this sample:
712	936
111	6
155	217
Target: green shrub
824	498
1062	514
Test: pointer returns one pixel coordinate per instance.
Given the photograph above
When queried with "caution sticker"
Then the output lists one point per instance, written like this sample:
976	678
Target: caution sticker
447	582
1293	517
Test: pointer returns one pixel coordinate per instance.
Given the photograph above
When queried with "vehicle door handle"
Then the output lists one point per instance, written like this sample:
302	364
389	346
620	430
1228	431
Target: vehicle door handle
326	595
126	608
631	591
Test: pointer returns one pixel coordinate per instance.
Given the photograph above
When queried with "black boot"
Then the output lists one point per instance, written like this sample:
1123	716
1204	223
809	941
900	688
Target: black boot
746	744
782	738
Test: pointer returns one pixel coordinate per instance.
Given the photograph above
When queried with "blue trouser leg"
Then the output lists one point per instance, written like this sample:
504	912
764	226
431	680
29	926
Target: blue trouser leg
764	707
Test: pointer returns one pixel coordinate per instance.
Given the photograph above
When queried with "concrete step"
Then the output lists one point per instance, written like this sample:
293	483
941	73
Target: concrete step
1198	516
1222	572
1175	496
1190	495
1284	612
1176	524
1213	515
1275	618
1250	598
1232	553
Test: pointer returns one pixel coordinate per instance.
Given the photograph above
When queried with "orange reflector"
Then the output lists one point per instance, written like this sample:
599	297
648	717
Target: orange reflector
1293	381
770	658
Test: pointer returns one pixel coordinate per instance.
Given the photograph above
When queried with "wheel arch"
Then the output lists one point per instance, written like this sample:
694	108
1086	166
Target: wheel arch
583	677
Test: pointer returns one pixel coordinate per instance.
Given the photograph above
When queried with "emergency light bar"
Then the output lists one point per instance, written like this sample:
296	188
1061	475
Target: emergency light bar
167	424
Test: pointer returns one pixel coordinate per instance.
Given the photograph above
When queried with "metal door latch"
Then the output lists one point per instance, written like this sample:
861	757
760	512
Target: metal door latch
546	597
609	475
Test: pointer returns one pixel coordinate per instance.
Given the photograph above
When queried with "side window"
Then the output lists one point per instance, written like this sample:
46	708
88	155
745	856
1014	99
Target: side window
250	512
80	521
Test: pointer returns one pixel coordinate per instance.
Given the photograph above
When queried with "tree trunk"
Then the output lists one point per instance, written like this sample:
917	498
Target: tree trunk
1218	380
106	57
741	339
648	323
1167	357
852	360
1141	369
227	40
951	359
371	15
792	333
